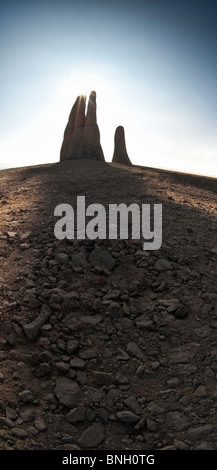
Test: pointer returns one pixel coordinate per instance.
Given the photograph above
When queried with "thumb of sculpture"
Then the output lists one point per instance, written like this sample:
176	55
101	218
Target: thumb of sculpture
120	152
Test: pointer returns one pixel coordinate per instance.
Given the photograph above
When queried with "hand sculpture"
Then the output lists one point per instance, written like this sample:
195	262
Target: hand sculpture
82	137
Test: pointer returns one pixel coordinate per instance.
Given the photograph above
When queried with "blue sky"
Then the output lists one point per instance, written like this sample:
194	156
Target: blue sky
153	64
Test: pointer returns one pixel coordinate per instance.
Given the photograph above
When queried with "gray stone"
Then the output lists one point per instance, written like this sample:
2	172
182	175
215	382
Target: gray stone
75	415
61	345
62	258
92	436
206	309
203	331
103	378
10	413
61	425
181	356
186	369
2	377
70	301
96	395
205	446
62	366
127	417
45	356
163	265
77	363
27	415
180	311
79	259
114	310
71	346
151	425
134	350
40	423
177	420
3	343
67	392
154	409
26	396
6	422
24	236
91	319
200	391
121	379
55	298
142	324
200	432
102	258
32	329
19	432
173	382
112	294
88	354
122	355
44	369
133	404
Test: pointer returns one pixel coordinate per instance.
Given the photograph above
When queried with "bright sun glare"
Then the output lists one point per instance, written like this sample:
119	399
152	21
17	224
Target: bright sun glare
83	84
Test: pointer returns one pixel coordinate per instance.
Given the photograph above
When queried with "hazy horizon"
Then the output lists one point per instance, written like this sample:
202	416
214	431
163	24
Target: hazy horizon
153	65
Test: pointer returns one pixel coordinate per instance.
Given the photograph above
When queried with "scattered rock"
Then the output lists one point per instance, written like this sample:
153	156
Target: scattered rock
28	415
154	409
61	425
19	432
102	258
44	369
133	404
103	378
71	346
1	377
92	436
177	420
76	415
180	311
91	319
88	354
134	350
40	423
200	432
127	417
32	329
6	422
67	392
26	396
163	265
203	331
77	363
11	413
45	356
79	259
103	344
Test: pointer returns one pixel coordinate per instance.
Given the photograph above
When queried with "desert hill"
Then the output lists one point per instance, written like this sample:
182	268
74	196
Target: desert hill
102	355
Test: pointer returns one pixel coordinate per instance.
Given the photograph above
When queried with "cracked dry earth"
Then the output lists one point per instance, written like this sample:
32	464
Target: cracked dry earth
104	345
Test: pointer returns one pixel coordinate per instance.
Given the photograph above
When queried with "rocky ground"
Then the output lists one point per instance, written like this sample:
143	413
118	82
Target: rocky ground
104	345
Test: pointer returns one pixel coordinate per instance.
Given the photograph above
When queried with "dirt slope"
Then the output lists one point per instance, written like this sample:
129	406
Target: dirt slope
117	356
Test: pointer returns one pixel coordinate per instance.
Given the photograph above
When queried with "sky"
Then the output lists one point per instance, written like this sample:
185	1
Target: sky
152	63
